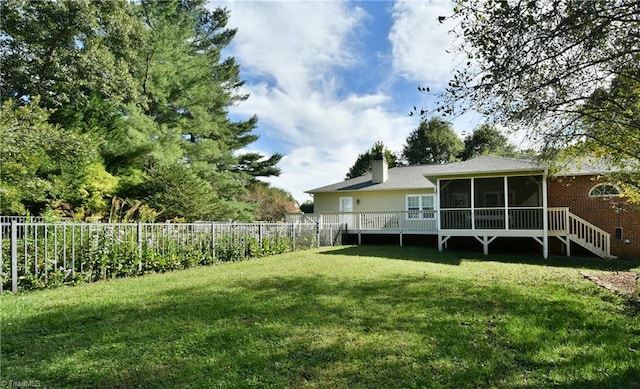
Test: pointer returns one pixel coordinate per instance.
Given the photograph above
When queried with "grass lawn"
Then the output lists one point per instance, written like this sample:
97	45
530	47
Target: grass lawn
345	317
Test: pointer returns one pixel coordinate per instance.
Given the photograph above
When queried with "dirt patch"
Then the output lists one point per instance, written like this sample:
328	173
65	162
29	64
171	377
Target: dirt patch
626	284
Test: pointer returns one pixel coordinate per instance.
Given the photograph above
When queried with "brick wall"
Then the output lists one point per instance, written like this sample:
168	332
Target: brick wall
573	192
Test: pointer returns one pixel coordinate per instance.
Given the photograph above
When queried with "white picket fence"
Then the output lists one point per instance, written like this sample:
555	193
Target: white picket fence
35	252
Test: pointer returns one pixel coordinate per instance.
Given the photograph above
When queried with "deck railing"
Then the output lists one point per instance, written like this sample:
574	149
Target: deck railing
564	223
426	222
392	222
558	219
586	234
529	218
456	219
560	222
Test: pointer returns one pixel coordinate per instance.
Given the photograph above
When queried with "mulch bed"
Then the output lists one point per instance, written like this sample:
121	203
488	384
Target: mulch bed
625	284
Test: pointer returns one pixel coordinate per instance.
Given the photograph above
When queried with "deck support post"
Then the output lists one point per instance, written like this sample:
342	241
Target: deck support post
485	240
442	241
567	244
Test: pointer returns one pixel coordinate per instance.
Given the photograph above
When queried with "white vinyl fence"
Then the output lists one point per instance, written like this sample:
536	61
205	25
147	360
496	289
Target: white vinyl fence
39	254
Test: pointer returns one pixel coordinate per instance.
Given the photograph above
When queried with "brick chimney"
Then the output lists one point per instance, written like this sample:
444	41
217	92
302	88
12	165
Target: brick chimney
379	169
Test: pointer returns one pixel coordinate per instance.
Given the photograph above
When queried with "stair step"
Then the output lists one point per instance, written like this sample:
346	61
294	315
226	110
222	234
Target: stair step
589	246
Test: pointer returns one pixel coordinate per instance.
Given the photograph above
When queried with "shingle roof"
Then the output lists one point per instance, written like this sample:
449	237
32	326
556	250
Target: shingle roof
402	177
415	177
424	176
489	164
585	166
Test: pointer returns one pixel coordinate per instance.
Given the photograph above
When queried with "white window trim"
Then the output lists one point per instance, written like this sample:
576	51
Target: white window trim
590	194
340	205
421	209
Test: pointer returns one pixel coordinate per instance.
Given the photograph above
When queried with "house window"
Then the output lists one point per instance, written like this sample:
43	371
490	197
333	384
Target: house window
346	204
420	207
604	190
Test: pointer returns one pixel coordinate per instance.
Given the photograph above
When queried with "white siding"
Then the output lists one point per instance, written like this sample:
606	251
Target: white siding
392	200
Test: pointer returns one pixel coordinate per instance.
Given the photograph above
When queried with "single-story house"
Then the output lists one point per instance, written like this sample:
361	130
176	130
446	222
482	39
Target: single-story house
486	198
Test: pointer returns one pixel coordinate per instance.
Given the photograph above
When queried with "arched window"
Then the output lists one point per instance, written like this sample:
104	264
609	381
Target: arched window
604	190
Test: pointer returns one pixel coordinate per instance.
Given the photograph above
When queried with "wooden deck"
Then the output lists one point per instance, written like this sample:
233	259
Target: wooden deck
484	224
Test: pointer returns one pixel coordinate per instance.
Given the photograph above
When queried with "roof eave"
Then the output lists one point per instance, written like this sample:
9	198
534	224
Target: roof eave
490	172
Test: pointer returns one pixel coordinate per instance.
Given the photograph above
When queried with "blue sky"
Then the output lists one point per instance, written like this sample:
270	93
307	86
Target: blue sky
327	79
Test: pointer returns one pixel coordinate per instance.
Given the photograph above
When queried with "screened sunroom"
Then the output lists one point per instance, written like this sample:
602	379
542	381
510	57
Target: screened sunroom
491	203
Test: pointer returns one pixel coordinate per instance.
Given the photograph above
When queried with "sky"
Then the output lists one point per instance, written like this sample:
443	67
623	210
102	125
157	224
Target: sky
327	79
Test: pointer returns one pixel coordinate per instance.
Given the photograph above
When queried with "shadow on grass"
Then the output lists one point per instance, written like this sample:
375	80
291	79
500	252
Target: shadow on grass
407	331
424	254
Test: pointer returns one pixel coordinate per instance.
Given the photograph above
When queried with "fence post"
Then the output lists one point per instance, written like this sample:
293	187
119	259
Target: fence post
293	236
213	240
139	233
14	256
318	234
1	257
331	234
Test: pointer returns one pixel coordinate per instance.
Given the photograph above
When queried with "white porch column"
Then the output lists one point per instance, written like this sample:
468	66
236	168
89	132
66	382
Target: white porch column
438	215
545	218
472	205
506	203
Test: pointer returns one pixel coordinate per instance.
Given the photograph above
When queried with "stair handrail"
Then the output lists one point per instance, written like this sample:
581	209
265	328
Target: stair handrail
586	231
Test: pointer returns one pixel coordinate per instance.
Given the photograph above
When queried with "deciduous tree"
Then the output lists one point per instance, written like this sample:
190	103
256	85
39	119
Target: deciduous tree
42	164
271	204
66	51
539	67
144	84
487	140
362	165
434	141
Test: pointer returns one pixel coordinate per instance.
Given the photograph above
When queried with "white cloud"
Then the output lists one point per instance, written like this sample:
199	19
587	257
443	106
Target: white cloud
420	42
292	55
294	43
322	137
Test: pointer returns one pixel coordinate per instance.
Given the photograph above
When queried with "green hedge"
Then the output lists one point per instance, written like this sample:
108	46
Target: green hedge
106	257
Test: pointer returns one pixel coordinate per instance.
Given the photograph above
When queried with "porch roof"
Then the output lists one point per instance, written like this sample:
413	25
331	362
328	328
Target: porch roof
423	176
489	165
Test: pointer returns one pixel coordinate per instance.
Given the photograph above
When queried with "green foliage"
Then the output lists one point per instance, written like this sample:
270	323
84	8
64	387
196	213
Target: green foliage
236	247
564	72
140	92
362	165
66	51
69	254
486	140
307	206
433	142
42	163
271	204
612	131
177	192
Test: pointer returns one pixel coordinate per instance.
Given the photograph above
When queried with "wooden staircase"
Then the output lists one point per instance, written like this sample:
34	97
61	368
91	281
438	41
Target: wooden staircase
569	227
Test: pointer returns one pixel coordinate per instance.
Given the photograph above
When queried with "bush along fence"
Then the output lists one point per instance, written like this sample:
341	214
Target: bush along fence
39	255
